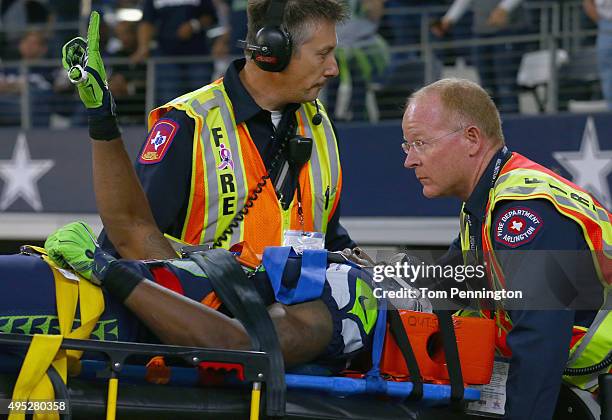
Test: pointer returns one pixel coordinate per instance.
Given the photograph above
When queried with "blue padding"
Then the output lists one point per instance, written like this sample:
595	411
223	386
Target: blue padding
312	275
375	385
379	338
274	261
184	376
432	393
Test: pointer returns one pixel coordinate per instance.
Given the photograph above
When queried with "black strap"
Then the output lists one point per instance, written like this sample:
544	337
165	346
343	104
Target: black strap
60	389
239	295
451	353
403	342
605	395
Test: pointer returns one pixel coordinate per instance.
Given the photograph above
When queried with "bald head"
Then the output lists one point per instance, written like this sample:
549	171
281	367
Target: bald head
451	131
465	103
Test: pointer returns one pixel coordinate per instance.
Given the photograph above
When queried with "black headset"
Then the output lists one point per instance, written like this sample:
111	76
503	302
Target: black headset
273	44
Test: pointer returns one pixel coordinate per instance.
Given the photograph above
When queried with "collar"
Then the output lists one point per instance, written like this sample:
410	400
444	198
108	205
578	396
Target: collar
243	103
476	204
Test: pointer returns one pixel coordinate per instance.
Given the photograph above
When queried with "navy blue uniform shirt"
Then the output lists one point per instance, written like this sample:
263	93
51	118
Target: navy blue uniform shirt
167	182
539	339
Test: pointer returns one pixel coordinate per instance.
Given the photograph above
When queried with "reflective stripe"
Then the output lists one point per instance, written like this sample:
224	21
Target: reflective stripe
594	346
464	232
211	213
600	240
575	204
334	165
212	194
580	347
541	189
324	166
239	175
593	206
315	171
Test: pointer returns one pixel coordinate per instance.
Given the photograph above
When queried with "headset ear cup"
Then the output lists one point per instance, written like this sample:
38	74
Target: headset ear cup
276	48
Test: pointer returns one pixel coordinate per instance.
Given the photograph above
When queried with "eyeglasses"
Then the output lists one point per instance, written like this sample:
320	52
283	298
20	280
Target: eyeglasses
421	145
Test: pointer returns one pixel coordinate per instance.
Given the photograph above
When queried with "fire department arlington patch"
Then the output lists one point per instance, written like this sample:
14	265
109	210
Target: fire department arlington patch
517	226
158	142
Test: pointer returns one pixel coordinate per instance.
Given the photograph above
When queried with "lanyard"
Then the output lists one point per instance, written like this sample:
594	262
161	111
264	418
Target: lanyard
502	157
300	209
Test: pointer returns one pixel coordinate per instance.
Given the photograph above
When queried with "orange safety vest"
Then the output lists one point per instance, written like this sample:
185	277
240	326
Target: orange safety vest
523	179
219	190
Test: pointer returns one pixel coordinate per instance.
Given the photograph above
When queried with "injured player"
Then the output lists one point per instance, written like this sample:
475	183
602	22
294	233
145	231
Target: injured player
173	301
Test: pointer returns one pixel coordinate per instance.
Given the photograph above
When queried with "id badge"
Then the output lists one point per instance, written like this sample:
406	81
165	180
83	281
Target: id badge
493	395
300	240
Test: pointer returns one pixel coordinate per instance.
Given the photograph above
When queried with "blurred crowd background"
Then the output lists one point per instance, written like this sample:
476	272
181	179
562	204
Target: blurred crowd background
532	56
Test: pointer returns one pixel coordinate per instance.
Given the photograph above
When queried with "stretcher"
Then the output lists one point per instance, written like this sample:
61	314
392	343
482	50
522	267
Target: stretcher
86	395
306	396
252	384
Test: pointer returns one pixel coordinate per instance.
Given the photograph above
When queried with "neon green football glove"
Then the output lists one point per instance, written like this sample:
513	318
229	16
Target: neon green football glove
73	246
83	63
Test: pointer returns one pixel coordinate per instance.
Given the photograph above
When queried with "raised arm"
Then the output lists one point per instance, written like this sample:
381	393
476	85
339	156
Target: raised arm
121	202
304	330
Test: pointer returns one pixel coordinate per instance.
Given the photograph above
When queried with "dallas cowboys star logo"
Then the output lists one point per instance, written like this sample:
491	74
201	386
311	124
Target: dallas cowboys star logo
20	175
590	166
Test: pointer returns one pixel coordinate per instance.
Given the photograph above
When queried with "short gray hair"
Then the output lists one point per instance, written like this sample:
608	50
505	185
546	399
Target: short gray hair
299	19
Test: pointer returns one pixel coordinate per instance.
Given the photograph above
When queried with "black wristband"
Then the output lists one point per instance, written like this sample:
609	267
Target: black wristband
103	127
119	280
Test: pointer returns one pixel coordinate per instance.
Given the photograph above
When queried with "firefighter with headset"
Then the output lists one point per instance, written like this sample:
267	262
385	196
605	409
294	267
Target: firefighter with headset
250	157
532	230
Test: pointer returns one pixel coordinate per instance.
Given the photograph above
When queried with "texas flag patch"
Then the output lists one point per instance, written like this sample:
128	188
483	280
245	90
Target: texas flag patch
158	142
517	226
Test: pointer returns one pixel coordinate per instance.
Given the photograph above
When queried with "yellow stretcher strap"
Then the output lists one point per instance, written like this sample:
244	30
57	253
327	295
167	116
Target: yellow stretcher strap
44	351
111	405
255	400
32	378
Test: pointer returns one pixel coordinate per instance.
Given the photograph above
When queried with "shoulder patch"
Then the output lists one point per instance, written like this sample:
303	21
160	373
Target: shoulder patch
517	226
158	142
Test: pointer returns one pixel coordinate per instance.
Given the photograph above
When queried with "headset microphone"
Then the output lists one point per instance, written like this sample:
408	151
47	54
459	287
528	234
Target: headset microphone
317	118
251	47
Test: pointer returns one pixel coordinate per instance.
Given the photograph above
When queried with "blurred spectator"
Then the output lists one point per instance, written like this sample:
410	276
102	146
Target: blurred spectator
362	56
64	19
600	11
127	82
238	23
37	81
221	40
15	17
403	23
497	64
179	27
